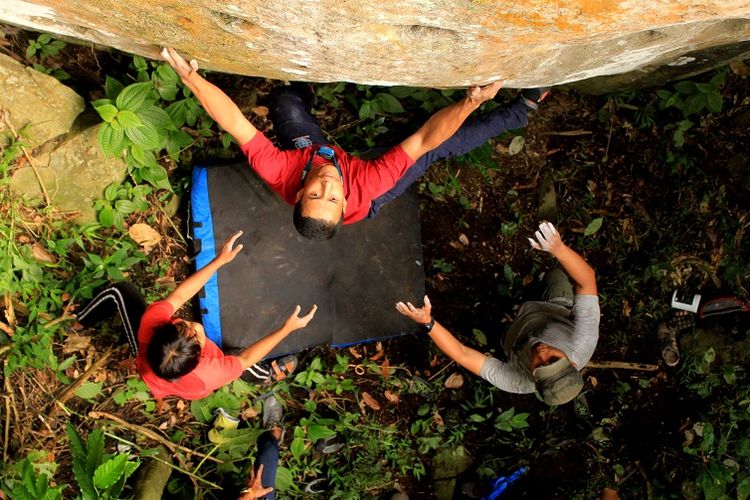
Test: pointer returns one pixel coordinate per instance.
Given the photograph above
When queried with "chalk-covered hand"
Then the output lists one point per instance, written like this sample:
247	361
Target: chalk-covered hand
421	315
478	95
547	238
178	63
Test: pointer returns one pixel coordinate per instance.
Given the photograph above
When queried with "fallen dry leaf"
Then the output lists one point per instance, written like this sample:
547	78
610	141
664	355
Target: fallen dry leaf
76	343
455	381
250	413
626	309
355	353
594	381
437	419
100	376
385	368
434	361
377	356
516	145
740	68
463	239
261	111
392	397
41	254
370	401
144	235
180	405
128	365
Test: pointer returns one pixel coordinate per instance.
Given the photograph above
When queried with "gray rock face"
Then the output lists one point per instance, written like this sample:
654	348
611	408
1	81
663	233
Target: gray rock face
659	74
75	175
430	43
37	105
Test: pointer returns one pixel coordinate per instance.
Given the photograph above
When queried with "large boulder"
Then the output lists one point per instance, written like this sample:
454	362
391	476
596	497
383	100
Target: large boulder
75	174
657	74
431	43
37	105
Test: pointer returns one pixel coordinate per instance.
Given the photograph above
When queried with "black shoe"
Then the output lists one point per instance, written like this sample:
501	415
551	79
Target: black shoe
532	97
267	373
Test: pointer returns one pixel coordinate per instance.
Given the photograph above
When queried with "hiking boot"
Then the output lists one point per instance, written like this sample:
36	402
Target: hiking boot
273	413
273	416
532	97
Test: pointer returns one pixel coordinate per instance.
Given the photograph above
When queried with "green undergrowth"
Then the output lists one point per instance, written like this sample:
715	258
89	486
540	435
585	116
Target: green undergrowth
356	422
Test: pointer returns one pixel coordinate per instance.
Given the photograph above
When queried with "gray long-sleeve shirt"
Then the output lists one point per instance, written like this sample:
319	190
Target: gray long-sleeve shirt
578	344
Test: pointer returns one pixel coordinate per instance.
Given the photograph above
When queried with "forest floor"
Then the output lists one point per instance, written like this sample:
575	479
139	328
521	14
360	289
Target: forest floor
650	210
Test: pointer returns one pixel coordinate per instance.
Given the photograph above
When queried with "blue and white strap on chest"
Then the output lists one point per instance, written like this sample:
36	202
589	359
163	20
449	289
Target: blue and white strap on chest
326	153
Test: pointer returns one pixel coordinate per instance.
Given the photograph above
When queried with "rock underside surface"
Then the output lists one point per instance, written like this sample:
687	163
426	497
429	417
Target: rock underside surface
430	43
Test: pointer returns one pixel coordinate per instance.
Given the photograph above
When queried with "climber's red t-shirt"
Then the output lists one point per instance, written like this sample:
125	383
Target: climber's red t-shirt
213	371
364	180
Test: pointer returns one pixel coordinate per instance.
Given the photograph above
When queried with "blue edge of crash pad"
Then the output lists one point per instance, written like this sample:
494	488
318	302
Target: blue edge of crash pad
203	231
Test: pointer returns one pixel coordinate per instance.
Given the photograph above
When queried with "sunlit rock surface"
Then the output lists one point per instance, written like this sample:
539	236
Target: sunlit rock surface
432	43
36	106
75	174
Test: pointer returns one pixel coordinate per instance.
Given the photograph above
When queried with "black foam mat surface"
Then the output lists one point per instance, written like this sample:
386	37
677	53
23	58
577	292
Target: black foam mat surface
355	278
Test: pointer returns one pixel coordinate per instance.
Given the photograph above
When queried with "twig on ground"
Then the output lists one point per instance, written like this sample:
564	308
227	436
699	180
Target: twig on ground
623	365
68	393
10	314
5	328
40	385
151	435
65	317
568	133
10	405
155	457
46	424
171	223
649	488
12	305
21	384
203	460
609	136
440	371
6	434
344	127
195	477
47	199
